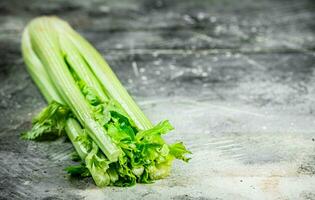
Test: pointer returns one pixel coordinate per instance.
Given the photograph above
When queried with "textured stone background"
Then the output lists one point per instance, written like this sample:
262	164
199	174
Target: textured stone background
236	78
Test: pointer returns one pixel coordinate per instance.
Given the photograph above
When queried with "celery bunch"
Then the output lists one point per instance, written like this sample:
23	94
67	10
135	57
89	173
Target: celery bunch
115	141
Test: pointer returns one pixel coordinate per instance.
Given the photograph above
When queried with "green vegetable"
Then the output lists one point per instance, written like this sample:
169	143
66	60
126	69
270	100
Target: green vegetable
50	120
115	141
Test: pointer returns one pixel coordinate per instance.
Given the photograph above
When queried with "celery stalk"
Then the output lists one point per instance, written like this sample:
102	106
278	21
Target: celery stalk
45	44
104	74
37	70
74	130
42	80
80	67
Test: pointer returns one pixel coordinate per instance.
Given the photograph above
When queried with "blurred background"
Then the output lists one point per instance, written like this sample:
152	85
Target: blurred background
236	78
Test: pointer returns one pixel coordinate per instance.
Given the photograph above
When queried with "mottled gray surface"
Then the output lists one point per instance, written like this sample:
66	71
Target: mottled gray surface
236	78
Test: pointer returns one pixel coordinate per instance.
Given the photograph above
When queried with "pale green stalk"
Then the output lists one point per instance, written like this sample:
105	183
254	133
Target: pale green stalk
104	74
42	80
45	44
74	130
80	67
37	70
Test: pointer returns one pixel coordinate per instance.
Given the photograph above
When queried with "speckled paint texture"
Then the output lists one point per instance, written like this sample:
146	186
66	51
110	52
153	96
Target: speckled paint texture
236	78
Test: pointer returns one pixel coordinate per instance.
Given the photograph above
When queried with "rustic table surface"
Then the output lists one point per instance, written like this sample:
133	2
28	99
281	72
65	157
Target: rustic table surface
236	78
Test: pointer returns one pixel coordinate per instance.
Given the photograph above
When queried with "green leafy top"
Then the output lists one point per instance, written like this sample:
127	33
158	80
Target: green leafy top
49	123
